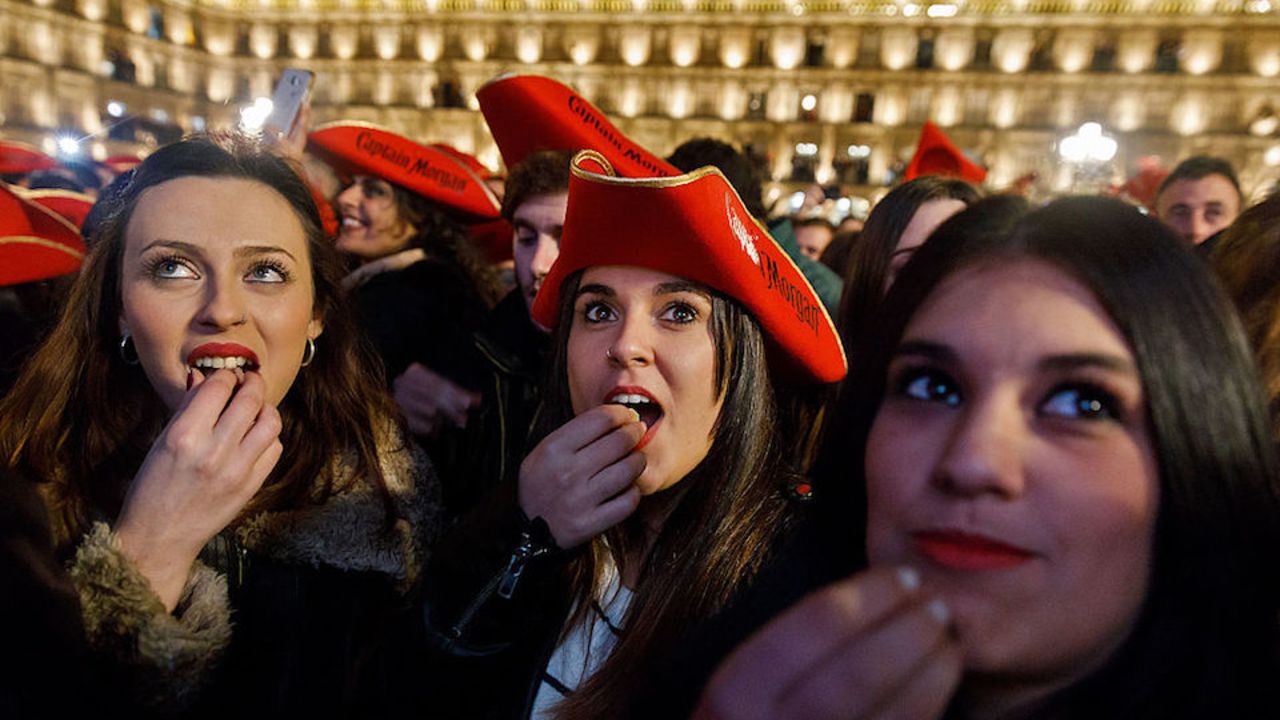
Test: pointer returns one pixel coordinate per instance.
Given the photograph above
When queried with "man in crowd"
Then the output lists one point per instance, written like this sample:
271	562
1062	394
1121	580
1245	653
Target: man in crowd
484	436
1200	198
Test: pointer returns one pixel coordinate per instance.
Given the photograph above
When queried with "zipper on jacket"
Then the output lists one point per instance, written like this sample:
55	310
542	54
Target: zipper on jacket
505	582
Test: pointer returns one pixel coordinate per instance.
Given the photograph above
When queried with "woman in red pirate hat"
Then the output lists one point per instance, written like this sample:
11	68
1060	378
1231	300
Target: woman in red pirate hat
419	285
655	522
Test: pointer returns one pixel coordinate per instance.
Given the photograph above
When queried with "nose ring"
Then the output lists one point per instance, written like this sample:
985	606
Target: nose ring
608	353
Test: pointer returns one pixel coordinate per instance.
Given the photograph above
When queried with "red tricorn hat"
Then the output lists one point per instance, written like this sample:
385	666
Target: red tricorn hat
35	244
693	226
17	158
121	163
937	155
528	113
363	149
72	206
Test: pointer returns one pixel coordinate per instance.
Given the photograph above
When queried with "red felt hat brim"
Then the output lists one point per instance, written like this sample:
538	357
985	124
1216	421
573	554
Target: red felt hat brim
74	207
35	243
696	227
363	149
530	113
20	158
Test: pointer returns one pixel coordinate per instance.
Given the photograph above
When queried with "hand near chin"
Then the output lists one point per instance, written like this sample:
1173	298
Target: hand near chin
873	646
581	478
207	463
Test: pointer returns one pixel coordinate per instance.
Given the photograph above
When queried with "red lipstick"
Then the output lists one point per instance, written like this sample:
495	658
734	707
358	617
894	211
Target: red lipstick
222	350
964	551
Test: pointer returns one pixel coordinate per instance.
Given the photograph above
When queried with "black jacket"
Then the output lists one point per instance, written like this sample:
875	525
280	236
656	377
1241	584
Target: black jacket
508	357
484	639
423	313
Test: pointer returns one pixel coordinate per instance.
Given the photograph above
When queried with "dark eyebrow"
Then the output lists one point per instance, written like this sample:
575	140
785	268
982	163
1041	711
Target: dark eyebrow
679	286
1073	361
595	289
240	252
556	230
944	354
932	350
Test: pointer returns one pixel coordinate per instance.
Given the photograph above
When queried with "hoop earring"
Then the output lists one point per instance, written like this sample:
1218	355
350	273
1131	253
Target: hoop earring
128	353
310	353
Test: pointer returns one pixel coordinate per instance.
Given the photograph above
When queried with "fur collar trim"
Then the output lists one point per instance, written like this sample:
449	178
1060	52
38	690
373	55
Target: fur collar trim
348	530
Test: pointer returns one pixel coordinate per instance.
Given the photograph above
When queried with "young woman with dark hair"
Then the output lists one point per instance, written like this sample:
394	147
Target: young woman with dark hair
419	286
1069	484
654	524
209	438
896	227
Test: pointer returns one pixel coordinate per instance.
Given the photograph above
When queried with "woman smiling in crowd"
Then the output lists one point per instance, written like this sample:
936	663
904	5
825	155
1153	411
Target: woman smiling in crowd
210	439
655	497
1065	516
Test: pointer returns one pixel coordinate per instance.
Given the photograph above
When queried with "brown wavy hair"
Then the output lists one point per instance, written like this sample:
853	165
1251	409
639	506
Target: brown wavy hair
1247	260
81	420
722	518
445	239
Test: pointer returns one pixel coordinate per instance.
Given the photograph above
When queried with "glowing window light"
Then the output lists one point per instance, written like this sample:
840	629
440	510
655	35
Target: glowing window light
1088	145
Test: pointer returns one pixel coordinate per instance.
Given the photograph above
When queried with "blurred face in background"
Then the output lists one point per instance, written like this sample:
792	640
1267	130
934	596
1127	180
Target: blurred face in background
538	223
927	219
371	224
1197	209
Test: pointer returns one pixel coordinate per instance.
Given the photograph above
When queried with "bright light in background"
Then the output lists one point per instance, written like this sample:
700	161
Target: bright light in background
943	10
859	151
160	115
1272	156
198	123
116	109
806	149
808	103
796	201
68	146
1088	145
252	117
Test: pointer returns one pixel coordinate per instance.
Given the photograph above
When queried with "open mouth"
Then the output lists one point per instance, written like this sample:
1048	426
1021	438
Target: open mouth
649	410
352	223
211	357
208	365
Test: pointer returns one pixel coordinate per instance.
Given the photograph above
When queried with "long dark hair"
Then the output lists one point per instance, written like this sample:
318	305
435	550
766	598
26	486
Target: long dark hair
1205	643
445	240
82	419
869	261
1247	259
723	517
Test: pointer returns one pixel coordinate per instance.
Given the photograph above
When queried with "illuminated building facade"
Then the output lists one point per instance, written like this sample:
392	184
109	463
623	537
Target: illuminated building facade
831	89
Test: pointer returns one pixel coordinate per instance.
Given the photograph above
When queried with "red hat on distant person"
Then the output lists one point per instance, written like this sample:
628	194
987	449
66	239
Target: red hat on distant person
17	158
528	113
937	155
35	243
693	226
363	149
119	164
71	206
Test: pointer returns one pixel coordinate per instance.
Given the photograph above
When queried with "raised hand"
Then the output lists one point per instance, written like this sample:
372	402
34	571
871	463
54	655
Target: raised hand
580	478
202	470
430	401
873	646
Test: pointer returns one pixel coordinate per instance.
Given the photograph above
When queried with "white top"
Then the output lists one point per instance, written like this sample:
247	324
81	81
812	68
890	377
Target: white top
585	647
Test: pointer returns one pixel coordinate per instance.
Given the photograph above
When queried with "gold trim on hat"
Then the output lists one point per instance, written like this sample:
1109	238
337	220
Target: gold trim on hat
24	196
52	192
49	244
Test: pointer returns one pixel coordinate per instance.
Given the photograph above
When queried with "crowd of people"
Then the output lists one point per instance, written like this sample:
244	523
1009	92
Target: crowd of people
599	438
